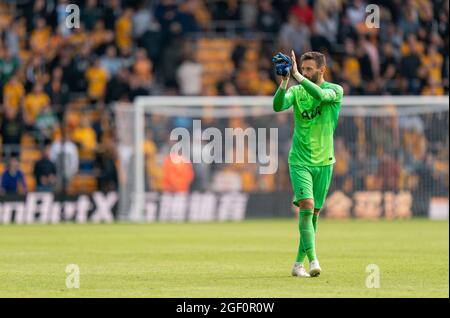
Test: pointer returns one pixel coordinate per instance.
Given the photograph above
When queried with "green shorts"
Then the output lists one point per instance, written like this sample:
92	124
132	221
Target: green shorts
310	182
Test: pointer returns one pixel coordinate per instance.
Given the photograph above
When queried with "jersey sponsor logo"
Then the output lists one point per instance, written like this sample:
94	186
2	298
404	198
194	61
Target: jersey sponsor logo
311	115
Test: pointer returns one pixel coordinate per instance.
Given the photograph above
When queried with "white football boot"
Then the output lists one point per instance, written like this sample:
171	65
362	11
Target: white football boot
314	268
299	270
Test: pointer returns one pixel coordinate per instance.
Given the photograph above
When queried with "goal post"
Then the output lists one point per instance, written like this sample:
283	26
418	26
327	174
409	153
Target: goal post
147	104
133	121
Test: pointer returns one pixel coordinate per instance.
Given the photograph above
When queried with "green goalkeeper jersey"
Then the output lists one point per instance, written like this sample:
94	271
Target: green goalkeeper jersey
316	112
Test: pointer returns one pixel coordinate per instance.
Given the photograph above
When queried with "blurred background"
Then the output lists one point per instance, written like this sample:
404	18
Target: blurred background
59	87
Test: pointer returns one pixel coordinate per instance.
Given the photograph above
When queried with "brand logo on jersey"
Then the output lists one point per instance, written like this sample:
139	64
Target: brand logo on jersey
312	114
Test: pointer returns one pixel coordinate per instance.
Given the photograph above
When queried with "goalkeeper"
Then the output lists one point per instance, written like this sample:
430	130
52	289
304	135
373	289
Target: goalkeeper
316	105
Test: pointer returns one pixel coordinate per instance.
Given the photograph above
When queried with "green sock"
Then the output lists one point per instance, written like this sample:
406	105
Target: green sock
307	236
314	221
301	250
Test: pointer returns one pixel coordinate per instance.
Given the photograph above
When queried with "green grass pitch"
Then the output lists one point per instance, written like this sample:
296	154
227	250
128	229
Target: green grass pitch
247	259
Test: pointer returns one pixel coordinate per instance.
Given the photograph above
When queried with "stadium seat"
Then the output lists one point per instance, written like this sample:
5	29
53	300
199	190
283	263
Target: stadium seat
73	118
29	154
30	182
27	140
215	57
27	167
82	184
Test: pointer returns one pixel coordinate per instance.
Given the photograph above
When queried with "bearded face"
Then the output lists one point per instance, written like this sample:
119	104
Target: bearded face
311	71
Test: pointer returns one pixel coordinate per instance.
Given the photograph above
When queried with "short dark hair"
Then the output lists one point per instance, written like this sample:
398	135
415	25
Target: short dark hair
316	56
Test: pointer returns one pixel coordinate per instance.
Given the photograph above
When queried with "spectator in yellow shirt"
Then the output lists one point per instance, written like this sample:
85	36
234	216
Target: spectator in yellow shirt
143	68
97	78
13	93
100	35
350	65
433	88
124	29
410	42
34	103
433	61
78	37
263	85
86	138
40	37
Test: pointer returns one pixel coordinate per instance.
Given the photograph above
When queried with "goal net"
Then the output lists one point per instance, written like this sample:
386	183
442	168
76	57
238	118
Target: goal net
225	158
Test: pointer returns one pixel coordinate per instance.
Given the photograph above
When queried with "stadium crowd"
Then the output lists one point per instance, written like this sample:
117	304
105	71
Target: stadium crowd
58	84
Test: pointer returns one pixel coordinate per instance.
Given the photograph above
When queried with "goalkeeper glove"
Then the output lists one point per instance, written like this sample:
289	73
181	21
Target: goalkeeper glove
283	64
